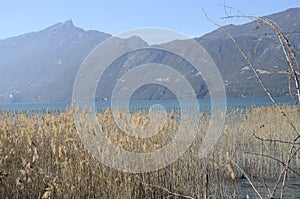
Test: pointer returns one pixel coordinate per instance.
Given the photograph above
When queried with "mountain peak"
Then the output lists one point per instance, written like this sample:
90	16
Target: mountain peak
68	22
61	26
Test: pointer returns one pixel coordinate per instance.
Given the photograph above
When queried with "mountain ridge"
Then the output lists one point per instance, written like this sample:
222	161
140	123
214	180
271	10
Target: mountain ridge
41	66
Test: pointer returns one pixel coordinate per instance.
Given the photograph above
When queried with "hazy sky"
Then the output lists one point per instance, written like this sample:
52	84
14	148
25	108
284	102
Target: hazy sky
115	16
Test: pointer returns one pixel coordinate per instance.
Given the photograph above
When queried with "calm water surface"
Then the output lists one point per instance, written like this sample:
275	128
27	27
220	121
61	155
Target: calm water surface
169	105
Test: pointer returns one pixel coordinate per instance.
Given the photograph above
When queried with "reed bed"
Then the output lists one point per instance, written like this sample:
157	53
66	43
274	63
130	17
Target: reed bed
42	156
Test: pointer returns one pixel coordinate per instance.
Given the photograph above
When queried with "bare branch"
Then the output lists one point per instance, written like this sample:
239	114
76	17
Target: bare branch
285	44
291	58
254	70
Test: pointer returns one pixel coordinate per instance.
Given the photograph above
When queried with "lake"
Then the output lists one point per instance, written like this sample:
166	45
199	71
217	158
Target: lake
169	105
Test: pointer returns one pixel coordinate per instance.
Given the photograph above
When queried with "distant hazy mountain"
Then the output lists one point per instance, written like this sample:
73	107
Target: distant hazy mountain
41	66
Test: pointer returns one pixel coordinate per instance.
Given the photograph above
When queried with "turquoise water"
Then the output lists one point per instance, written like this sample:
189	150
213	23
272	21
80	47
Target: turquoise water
169	105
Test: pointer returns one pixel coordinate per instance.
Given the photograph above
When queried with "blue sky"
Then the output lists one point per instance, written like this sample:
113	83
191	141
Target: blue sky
115	16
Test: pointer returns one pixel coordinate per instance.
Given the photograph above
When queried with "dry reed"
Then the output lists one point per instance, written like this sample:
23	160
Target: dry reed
42	156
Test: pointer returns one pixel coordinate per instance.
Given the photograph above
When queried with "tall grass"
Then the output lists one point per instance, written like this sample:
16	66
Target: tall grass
42	156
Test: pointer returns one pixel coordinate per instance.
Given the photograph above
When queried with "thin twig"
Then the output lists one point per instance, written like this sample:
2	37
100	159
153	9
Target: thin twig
164	189
284	171
247	177
274	140
273	158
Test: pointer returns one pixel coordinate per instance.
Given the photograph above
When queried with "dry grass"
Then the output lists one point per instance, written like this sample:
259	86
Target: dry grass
43	157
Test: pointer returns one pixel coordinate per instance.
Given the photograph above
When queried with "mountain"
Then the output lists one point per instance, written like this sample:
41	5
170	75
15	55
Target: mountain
264	50
41	66
258	41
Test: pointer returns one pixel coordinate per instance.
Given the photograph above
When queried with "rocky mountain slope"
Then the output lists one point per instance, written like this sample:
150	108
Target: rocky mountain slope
41	66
